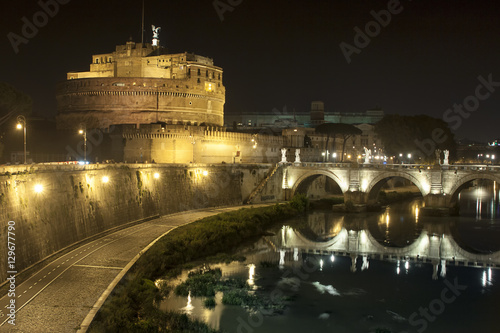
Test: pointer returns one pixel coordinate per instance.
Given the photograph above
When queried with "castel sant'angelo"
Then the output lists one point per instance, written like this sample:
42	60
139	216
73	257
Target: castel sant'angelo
158	106
142	84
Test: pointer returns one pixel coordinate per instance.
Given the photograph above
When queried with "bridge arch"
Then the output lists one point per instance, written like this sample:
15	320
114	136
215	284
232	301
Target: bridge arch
465	181
306	179
375	185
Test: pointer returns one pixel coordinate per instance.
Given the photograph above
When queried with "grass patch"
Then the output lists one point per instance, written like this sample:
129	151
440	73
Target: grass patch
132	305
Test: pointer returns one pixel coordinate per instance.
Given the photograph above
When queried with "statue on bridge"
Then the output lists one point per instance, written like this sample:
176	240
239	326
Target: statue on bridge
446	155
297	155
368	155
283	155
437	152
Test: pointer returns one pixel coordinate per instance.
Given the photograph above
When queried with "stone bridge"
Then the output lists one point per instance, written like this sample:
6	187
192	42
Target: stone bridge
439	185
433	246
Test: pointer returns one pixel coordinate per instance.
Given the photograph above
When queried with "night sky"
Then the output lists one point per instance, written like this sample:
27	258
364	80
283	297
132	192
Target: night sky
283	54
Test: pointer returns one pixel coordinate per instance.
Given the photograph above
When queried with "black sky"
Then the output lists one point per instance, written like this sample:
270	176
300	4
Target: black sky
282	54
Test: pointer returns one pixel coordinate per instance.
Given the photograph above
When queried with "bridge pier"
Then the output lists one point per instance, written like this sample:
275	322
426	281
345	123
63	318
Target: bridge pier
436	205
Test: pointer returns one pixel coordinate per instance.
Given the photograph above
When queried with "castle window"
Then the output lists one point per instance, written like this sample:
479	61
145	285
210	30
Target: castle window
206	74
96	60
198	80
219	76
199	73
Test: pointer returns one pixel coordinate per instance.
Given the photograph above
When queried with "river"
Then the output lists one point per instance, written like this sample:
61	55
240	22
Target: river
391	271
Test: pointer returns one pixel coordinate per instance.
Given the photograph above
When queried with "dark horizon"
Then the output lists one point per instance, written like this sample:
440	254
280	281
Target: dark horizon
427	58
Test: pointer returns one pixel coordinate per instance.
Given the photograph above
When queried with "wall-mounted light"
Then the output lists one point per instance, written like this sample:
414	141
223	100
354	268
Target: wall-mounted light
38	188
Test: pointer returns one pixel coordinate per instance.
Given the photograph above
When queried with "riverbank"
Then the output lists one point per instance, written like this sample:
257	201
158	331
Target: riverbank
132	307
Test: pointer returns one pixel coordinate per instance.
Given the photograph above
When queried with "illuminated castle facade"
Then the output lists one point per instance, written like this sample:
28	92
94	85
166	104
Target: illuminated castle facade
143	84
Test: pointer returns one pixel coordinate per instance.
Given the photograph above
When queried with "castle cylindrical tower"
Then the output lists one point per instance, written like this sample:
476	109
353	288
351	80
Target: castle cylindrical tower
142	84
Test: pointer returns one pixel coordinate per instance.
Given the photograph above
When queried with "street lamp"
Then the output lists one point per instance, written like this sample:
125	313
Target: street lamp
21	124
84	133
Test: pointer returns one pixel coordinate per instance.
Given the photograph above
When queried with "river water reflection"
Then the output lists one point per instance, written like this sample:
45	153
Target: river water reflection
394	270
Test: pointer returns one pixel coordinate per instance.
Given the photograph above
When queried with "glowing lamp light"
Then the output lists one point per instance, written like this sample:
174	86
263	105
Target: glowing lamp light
105	179
38	188
19	126
205	172
156	175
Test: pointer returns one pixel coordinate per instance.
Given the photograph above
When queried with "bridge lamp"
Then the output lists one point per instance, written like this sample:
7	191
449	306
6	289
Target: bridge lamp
409	155
38	188
400	155
492	157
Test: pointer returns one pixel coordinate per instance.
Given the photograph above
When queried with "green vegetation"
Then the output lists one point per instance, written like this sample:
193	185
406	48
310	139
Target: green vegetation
200	283
132	306
405	134
209	303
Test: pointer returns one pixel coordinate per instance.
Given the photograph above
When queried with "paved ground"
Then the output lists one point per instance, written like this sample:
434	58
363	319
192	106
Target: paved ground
59	297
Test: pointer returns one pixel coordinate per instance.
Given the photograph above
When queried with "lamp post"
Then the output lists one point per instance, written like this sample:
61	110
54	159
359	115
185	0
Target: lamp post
83	131
21	123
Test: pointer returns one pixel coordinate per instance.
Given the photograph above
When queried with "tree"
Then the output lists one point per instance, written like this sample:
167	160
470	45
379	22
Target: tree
12	103
415	135
329	130
345	131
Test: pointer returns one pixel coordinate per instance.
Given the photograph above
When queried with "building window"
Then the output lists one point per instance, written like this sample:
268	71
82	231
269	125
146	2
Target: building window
198	80
199	72
206	74
219	76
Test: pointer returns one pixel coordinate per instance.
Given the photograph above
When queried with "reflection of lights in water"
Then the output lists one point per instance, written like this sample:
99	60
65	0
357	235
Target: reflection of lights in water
189	307
416	214
387	219
407	265
398	269
487	279
251	274
443	267
478	207
295	254
332	258
366	263
282	257
321	264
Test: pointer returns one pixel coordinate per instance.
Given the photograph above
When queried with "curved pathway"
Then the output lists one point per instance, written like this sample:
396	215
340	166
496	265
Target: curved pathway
58	297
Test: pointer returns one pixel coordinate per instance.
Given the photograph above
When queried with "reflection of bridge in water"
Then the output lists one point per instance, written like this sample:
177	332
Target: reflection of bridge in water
434	246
